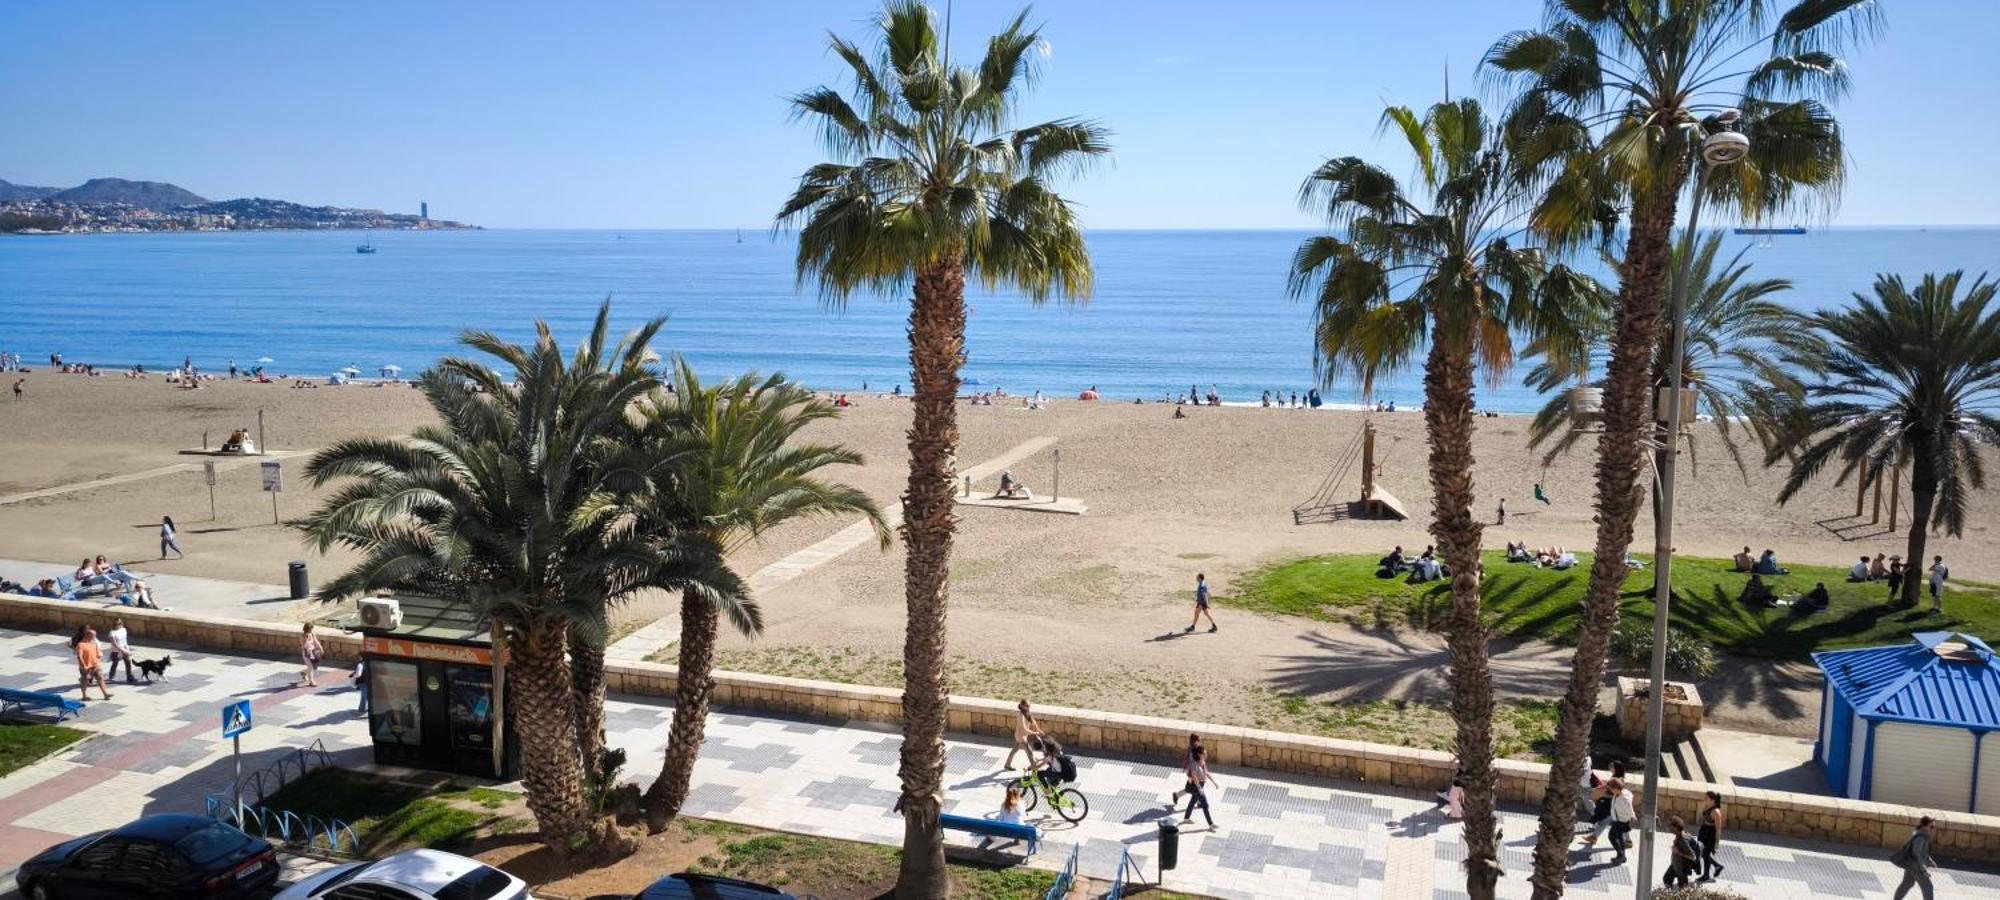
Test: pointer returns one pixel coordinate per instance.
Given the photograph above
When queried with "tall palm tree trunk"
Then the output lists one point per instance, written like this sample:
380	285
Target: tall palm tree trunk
1448	383
586	663
1621	455
937	350
543	694
1923	496
694	685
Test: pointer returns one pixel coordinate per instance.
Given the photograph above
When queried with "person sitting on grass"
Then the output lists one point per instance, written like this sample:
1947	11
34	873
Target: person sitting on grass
1814	600
1744	562
1393	563
1768	564
1860	570
1519	552
1879	569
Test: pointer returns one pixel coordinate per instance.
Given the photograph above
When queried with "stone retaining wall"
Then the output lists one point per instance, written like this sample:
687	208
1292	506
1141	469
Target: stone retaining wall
1874	825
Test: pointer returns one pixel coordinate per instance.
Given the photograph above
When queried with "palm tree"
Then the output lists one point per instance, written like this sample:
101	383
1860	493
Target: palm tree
1737	344
479	509
1436	267
931	184
725	463
1615	100
1914	377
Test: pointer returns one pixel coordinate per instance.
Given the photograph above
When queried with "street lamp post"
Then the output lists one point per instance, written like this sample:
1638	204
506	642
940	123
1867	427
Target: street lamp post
1719	149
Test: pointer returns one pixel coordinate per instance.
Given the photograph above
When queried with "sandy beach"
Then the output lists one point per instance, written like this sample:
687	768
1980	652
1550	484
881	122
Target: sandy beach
1080	609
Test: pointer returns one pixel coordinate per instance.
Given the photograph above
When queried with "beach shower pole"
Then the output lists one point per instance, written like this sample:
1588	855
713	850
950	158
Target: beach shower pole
1719	149
1055	481
262	448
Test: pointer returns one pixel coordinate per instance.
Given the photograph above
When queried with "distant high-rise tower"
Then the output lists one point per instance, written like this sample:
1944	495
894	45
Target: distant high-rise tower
424	210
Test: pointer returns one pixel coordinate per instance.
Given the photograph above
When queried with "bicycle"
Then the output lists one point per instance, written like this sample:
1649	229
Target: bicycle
1068	803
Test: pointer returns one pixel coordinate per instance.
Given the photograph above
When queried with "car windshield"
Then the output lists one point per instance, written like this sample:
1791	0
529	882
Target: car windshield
206	845
483	883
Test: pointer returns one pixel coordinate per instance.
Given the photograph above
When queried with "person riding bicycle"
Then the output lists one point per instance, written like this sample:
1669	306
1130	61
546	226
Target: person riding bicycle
1055	765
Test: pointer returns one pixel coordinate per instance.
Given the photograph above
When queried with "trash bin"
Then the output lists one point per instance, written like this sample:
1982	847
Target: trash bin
301	583
1170	844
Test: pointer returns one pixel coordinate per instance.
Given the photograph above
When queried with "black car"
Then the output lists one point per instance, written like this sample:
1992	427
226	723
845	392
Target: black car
157	858
687	885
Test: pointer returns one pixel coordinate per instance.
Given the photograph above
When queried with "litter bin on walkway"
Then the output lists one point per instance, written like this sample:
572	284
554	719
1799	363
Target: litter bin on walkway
1170	844
301	582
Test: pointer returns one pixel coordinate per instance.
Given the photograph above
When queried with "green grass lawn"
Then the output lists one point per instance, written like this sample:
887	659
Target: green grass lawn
22	744
1528	602
388	816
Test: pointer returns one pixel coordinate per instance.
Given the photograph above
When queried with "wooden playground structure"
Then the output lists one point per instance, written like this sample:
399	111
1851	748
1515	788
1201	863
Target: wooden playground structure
1328	504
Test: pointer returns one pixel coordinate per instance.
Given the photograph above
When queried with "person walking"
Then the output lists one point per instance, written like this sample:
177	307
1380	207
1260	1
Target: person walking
310	652
1501	518
1681	855
1027	732
1710	834
1201	604
167	539
17	387
1914	858
1623	814
360	678
1187	763
121	650
90	664
1198	778
1939	572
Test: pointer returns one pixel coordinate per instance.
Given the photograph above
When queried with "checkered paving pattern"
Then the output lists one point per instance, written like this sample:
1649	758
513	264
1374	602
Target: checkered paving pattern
157	748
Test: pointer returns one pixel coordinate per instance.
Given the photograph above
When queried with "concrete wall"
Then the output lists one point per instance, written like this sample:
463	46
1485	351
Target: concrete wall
1875	825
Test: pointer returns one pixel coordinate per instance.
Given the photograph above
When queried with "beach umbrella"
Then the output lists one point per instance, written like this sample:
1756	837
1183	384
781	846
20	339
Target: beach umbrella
351	371
391	370
265	359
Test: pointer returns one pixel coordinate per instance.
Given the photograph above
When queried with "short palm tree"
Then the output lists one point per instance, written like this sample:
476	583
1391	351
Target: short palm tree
480	509
931	184
1913	378
1737	344
1434	266
1615	99
725	463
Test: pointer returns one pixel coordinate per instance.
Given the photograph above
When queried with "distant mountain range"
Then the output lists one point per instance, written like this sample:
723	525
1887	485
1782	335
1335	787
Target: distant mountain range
117	204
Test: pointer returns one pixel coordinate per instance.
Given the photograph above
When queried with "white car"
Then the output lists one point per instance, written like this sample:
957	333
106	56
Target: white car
410	875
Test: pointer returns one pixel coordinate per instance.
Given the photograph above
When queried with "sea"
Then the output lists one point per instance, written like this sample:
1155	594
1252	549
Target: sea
1172	309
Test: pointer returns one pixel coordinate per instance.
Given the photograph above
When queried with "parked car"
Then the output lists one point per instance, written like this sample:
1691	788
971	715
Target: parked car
168	857
410	875
709	887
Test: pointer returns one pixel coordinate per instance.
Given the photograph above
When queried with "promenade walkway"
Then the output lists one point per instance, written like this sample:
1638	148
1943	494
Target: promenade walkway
158	749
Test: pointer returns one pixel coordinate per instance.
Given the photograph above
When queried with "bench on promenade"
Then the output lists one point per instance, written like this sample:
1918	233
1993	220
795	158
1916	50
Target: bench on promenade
1029	834
17	702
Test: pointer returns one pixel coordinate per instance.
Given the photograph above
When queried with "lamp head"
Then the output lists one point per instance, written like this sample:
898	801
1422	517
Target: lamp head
1724	148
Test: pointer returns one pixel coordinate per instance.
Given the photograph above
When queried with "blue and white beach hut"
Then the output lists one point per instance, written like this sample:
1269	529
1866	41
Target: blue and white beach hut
1913	724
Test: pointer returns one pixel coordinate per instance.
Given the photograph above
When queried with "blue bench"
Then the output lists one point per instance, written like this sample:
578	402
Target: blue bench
16	702
993	828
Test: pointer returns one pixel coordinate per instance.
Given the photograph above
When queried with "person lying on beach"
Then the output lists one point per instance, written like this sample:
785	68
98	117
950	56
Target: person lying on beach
140	596
45	588
1519	552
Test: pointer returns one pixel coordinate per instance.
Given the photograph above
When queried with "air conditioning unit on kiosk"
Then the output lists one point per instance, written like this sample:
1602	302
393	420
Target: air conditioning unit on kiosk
381	613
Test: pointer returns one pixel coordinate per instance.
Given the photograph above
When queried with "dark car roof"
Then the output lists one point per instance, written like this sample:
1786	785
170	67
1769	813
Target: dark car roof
163	828
708	887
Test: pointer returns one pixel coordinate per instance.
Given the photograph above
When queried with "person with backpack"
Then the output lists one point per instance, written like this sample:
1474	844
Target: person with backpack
1198	777
1684	855
1914	858
1187	758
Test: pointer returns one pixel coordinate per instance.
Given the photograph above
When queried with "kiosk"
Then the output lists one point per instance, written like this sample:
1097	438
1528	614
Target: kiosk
432	703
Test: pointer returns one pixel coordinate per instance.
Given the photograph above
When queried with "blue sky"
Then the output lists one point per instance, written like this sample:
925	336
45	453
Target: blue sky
672	114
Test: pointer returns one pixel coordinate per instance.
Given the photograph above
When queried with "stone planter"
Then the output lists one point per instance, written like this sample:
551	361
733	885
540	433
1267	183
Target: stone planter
1682	717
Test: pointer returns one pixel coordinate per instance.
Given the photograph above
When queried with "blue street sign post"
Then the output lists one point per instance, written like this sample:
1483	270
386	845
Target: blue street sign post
236	720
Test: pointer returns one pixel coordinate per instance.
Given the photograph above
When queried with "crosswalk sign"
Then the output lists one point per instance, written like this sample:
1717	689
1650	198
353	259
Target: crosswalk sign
236	718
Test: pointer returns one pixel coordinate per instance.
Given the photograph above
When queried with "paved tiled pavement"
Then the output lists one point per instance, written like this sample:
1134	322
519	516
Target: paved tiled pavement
158	749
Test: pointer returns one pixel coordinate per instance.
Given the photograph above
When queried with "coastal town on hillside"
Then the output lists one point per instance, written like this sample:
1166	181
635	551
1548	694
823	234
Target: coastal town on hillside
110	205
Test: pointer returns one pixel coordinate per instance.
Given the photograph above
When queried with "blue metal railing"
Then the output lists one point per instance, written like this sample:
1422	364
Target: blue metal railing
1125	865
1066	878
310	833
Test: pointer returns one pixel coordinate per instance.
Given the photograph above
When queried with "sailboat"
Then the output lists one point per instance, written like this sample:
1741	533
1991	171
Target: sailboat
367	246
